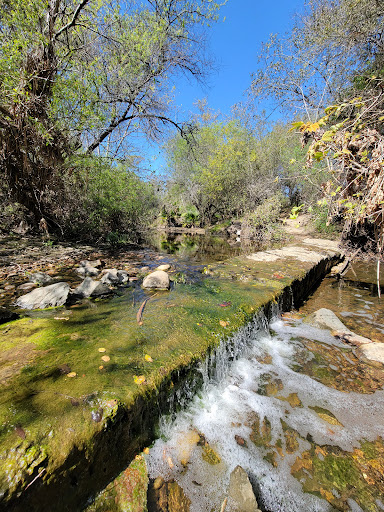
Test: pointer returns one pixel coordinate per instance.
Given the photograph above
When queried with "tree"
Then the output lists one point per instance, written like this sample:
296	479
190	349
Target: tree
349	140
231	169
79	76
329	45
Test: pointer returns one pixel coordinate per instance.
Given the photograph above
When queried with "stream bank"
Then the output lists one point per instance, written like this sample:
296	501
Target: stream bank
73	418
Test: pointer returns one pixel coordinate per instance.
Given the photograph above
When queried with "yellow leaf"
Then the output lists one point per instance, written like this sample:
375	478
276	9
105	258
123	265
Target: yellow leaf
106	358
223	323
313	127
139	379
71	374
101	349
148	358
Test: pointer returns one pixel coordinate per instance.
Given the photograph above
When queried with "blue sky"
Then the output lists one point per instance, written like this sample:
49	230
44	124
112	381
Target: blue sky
234	44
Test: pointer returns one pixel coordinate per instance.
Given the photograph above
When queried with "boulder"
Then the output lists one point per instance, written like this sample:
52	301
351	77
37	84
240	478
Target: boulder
241	495
115	277
91	288
53	295
7	316
325	318
158	279
40	278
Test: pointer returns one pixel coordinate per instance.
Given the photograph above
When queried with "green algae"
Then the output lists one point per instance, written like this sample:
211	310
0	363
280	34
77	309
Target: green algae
55	392
339	476
127	493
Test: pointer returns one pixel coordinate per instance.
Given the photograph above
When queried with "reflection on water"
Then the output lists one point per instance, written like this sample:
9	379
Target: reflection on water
201	248
354	299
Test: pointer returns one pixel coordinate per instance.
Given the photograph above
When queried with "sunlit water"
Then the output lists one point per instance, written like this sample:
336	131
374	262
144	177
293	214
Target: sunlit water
281	400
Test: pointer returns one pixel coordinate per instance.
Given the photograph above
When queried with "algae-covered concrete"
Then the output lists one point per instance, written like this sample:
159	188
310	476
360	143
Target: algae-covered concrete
82	387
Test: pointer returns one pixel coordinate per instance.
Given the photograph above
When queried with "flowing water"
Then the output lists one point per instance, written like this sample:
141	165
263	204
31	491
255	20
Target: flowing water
297	410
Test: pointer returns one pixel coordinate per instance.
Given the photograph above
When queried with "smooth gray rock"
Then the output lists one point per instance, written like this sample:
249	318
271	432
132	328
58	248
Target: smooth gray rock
241	495
54	295
87	269
373	351
91	288
40	278
325	318
158	279
115	277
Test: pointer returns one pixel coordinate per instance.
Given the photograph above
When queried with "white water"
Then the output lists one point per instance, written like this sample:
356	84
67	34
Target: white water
225	406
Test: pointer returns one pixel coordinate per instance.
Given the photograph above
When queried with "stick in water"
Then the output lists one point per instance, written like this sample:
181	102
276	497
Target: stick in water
139	315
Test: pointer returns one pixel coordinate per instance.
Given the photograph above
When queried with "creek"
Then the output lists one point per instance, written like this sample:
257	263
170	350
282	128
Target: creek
84	386
297	410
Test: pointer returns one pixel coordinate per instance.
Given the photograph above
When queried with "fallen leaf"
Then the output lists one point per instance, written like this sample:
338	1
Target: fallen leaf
101	367
139	379
106	358
148	358
20	431
225	304
102	349
71	374
146	451
223	323
61	318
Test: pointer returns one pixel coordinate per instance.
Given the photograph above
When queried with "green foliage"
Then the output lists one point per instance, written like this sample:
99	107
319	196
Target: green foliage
111	203
268	212
321	220
76	77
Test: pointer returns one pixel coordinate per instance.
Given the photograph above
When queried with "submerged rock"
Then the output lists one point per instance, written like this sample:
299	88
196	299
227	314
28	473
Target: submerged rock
373	351
242	497
351	338
158	279
54	295
325	318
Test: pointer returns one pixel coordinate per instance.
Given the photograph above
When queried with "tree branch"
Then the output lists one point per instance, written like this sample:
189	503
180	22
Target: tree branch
76	14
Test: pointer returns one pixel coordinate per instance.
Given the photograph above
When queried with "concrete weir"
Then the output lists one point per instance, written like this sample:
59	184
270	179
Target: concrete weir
82	389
